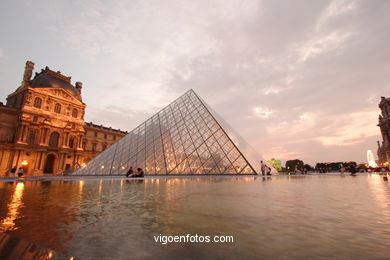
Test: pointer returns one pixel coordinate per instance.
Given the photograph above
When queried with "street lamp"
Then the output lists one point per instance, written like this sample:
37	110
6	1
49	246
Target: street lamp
24	163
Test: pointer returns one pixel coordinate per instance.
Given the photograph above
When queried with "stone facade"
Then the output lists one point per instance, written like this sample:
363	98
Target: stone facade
42	127
384	125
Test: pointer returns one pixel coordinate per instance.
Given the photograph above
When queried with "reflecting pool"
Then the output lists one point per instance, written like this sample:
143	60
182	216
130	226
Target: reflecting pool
340	217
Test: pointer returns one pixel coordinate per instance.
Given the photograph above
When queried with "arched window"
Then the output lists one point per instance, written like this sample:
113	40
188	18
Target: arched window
71	142
31	137
37	102
74	112
57	108
53	141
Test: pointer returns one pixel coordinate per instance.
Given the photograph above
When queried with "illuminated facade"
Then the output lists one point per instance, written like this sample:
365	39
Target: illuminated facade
183	138
42	127
383	151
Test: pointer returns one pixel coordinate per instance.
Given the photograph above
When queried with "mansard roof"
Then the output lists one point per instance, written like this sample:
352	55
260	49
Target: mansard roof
50	79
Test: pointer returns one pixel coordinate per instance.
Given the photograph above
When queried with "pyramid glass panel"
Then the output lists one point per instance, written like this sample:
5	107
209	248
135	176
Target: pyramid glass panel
185	137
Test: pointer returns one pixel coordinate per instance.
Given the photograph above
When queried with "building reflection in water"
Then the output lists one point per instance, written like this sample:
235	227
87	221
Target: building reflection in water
380	192
15	248
13	208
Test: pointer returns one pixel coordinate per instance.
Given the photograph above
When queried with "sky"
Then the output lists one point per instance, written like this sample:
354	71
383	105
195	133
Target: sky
297	79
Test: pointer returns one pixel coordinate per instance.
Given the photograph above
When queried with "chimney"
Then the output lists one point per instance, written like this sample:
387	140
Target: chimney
79	86
28	69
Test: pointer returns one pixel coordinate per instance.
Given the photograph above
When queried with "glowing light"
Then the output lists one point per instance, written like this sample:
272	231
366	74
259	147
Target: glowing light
102	167
24	162
371	159
13	208
84	165
100	186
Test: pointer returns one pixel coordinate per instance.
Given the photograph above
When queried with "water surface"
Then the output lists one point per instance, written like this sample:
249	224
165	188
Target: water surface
341	217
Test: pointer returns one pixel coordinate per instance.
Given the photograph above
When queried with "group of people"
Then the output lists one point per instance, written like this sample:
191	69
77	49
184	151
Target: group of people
302	170
130	173
352	169
20	172
265	169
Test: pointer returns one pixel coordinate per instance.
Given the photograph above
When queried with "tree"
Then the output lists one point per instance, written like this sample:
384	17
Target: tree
292	165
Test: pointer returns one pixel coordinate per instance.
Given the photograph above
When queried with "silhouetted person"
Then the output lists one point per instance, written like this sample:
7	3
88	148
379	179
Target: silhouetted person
129	172
268	169
352	170
13	171
138	173
20	172
262	167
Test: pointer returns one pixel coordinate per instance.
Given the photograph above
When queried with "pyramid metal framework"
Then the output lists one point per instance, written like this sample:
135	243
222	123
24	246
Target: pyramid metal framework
183	138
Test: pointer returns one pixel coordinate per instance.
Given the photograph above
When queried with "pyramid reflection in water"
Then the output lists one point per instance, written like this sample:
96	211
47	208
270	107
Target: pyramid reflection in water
183	138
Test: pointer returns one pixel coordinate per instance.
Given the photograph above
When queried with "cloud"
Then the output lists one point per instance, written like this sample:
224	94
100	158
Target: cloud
282	153
305	122
308	73
262	112
322	44
350	129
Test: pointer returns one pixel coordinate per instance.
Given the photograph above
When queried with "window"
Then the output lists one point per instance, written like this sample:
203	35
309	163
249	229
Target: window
37	102
53	141
114	137
18	101
104	147
71	142
35	119
84	144
74	112
105	136
96	134
57	108
94	147
31	137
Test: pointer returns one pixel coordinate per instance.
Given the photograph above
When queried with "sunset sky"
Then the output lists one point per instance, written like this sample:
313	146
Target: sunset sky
297	79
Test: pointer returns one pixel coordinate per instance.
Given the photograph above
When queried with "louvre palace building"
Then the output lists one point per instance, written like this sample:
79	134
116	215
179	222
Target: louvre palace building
42	127
384	125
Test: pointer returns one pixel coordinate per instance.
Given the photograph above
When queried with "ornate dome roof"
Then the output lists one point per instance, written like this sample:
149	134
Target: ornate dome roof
51	79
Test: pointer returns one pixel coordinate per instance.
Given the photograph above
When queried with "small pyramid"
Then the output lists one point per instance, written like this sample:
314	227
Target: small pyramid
183	138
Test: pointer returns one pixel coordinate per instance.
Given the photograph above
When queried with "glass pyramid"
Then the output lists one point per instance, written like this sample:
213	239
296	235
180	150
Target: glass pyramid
183	138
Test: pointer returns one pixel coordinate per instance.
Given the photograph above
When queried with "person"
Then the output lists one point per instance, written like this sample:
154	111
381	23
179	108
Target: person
129	172
13	171
138	173
268	170
342	168
352	170
262	167
20	172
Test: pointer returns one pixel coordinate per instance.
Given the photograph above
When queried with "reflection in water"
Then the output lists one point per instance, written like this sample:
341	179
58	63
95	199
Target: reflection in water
15	248
301	217
13	207
380	192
